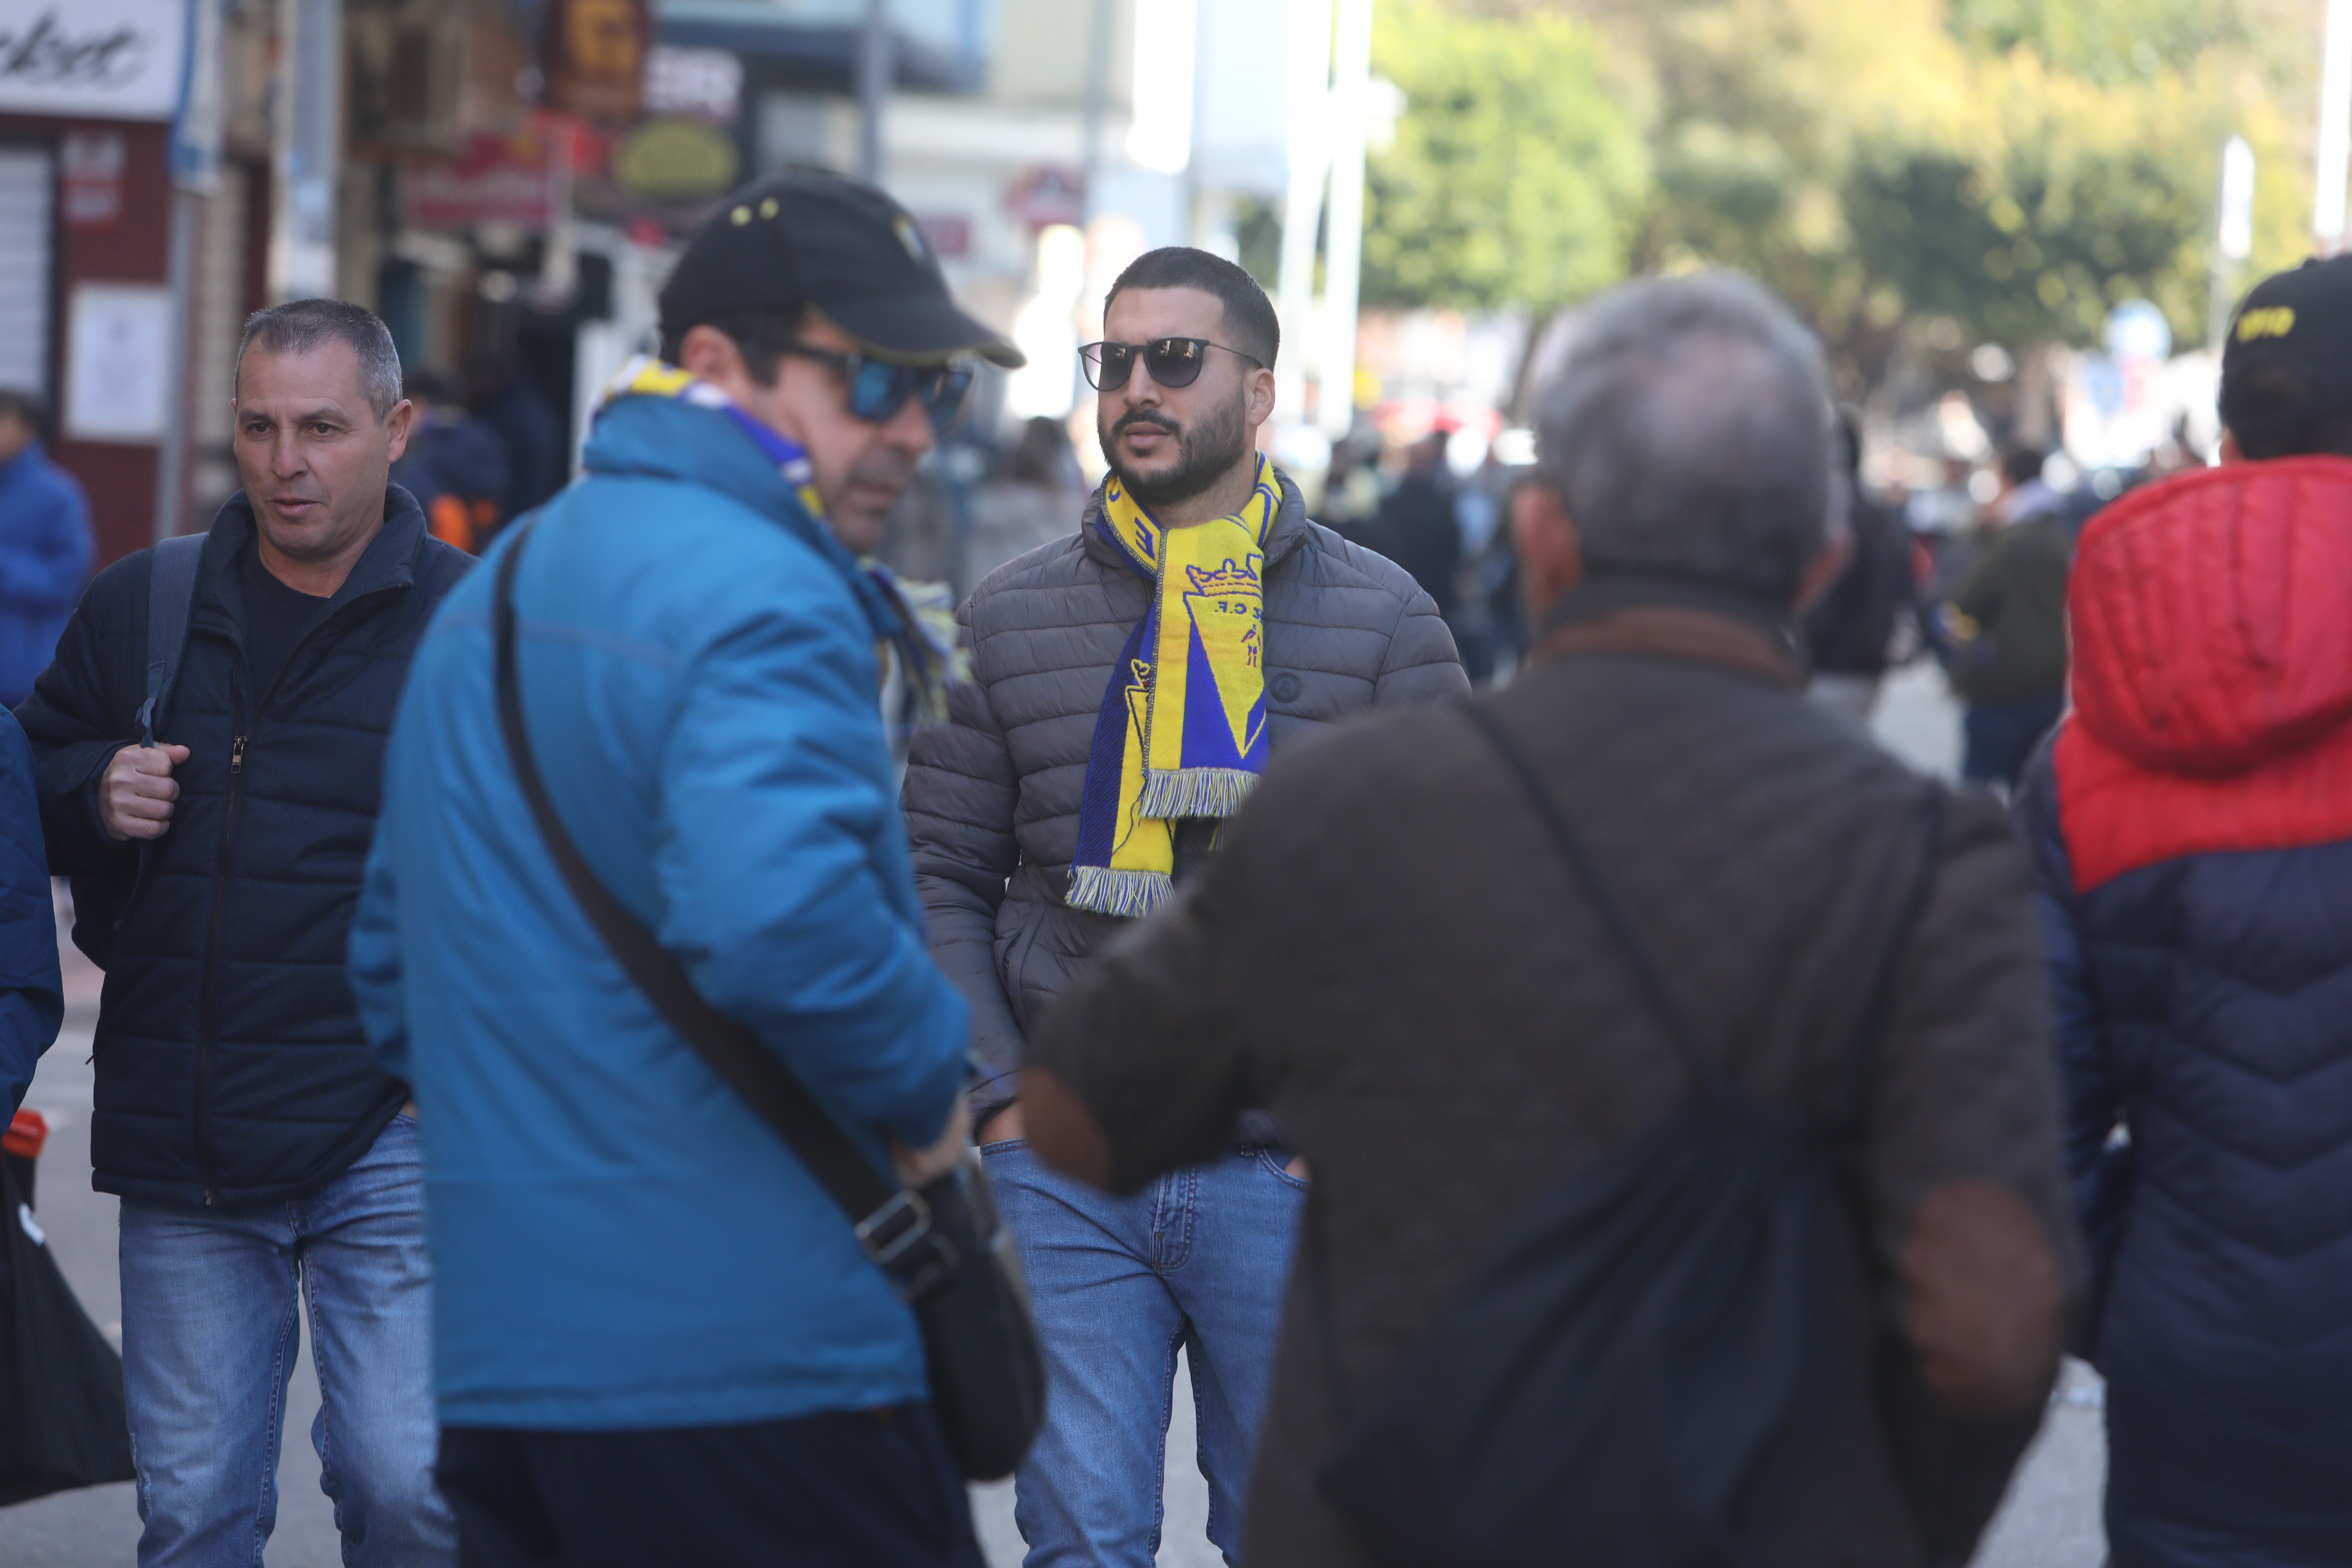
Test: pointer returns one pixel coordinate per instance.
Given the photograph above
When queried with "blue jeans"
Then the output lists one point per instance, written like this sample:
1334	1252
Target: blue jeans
2001	737
209	1331
1196	1261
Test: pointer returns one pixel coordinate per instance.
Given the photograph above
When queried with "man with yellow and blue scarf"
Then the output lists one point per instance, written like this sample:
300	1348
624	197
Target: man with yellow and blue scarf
1129	684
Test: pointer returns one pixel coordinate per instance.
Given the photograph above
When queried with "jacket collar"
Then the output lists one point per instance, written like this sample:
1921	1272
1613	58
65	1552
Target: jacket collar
1290	531
388	564
1673	618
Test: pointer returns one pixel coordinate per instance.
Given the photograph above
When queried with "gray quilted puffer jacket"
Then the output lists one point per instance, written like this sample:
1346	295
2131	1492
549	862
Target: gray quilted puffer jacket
991	796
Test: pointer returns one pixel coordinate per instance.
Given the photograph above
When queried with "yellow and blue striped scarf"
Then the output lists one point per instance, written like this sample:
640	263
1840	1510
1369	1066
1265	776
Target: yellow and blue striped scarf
1182	727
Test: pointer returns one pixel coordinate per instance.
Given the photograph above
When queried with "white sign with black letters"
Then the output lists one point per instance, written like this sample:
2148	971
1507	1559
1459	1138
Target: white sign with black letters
99	60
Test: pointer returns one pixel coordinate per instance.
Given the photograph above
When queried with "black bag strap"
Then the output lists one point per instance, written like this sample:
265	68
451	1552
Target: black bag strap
171	589
1860	1056
1646	973
893	1225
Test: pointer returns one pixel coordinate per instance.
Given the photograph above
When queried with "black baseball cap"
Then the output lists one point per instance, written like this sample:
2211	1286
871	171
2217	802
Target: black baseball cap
2301	320
810	237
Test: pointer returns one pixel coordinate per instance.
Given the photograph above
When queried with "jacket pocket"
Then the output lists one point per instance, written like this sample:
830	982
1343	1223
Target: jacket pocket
1012	950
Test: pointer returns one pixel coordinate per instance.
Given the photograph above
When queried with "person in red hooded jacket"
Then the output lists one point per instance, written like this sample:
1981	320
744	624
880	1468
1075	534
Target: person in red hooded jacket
2193	820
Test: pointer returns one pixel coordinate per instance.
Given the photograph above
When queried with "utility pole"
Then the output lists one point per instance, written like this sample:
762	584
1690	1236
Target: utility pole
2335	127
1351	74
874	70
2233	237
309	150
1307	73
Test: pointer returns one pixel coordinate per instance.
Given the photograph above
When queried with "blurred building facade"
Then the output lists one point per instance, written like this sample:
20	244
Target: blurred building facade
505	181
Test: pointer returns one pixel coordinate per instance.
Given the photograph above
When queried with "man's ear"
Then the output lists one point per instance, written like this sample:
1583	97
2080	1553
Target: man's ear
398	425
1825	570
1551	559
1261	398
709	355
2231	451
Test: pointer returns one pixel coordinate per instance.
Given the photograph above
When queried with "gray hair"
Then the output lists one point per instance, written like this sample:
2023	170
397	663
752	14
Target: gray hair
304	324
1690	434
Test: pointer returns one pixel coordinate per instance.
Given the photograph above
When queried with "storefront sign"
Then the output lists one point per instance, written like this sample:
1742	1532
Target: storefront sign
674	160
1047	195
497	179
706	83
595	57
95	59
116	336
92	163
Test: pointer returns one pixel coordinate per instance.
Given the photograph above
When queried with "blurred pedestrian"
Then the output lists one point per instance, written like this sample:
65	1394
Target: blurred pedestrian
1032	499
1393	954
2007	623
1850	632
505	399
1417	522
658	1339
1130	685
32	997
455	464
2194	818
215	821
44	546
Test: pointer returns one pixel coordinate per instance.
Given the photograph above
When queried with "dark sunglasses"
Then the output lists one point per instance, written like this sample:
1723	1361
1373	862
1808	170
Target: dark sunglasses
878	389
1172	361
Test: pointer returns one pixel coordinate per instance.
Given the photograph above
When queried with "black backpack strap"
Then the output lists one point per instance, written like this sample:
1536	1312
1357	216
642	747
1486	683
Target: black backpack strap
1646	972
171	589
893	1225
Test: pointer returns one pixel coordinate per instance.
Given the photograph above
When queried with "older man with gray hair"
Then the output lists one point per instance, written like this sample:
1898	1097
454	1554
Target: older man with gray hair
1395	956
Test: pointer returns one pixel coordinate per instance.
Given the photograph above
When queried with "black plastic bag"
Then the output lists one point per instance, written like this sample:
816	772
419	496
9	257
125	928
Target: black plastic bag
62	1423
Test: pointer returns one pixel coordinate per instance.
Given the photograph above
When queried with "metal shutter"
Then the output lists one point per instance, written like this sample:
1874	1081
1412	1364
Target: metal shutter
28	187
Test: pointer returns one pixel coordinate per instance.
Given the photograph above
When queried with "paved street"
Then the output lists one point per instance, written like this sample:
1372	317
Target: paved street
2050	1520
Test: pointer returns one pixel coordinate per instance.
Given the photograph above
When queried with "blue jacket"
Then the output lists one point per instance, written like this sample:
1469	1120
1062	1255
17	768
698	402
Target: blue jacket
44	553
32	1000
2193	823
617	1240
231	1065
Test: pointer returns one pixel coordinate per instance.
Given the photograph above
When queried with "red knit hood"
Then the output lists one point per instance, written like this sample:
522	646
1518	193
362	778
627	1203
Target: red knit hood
2212	617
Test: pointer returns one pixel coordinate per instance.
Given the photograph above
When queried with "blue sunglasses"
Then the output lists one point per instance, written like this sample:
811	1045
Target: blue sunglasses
878	389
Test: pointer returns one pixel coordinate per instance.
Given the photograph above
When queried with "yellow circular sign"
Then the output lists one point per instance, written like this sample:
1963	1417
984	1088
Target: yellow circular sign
671	159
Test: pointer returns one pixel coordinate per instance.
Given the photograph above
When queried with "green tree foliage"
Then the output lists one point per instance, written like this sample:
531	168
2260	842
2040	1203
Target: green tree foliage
2015	167
1518	168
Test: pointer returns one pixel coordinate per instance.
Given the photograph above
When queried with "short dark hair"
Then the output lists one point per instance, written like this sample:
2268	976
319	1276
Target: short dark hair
2275	411
301	325
22	403
2024	465
760	335
1250	320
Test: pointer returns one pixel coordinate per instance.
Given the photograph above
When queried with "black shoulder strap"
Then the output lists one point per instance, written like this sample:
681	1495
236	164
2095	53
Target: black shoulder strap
1646	973
1861	1056
889	1222
171	588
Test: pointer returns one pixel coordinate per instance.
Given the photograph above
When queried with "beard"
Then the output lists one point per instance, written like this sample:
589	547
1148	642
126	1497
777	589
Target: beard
1206	451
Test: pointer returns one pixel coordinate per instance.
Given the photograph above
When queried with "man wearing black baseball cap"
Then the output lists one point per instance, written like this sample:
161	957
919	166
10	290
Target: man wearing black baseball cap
2193	819
657	1338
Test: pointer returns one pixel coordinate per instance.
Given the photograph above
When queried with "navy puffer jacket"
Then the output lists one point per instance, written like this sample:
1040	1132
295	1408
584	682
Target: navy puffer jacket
2193	821
231	1065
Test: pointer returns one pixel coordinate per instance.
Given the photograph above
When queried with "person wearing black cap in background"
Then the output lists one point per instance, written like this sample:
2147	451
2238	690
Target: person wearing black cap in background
2193	823
657	1338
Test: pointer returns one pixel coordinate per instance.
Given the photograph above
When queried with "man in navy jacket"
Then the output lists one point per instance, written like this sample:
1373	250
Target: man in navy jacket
263	1158
2193	819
